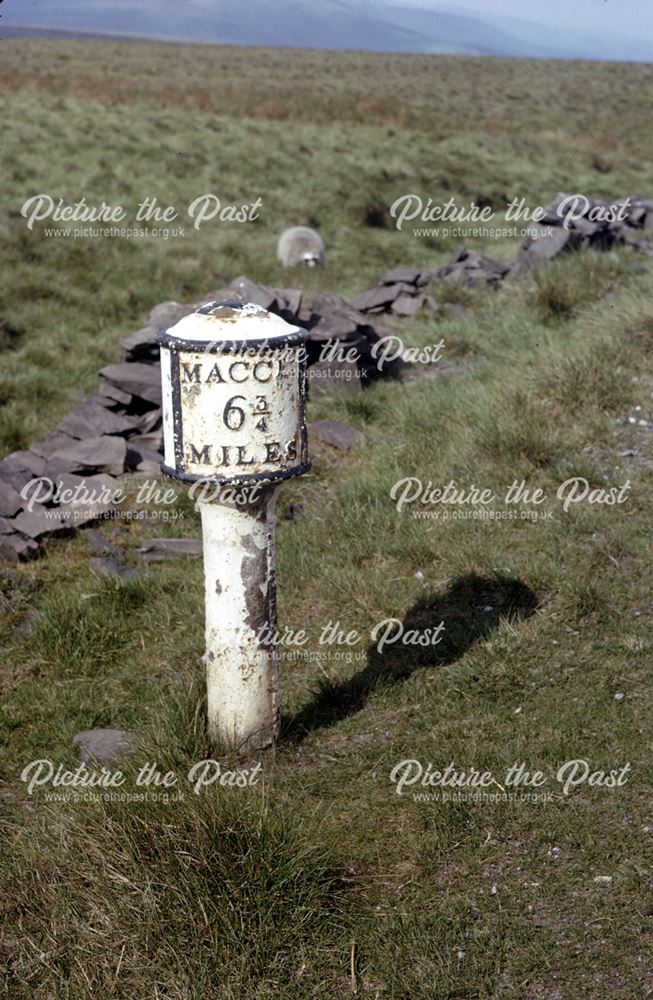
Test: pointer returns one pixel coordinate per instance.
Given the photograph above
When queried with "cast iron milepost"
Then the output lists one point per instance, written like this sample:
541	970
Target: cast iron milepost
234	389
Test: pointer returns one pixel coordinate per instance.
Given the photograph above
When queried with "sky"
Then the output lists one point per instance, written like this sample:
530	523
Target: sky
626	17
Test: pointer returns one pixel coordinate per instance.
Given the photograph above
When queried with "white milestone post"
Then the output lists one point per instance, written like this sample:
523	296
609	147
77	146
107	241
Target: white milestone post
234	390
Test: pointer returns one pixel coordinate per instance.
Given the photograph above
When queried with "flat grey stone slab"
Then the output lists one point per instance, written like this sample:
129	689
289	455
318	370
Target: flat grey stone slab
136	378
249	291
333	327
544	245
336	434
141	345
101	545
148	422
90	419
289	299
408	275
408	305
455	309
157	549
10	500
51	443
153	441
379	297
325	374
166	314
111	569
20	467
110	395
95	454
327	307
16	548
105	745
142	459
42	522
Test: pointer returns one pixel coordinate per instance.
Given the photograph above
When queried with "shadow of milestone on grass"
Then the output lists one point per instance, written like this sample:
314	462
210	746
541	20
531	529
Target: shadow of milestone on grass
471	607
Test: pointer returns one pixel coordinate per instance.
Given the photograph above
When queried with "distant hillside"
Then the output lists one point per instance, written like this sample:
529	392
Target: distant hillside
525	37
469	35
41	31
328	24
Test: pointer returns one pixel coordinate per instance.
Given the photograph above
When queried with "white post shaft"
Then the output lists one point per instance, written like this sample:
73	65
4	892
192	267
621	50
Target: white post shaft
242	667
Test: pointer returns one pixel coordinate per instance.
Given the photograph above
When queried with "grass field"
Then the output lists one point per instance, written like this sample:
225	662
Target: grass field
321	881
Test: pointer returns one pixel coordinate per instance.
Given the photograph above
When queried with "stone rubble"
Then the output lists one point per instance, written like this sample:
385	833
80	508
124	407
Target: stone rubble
118	428
404	291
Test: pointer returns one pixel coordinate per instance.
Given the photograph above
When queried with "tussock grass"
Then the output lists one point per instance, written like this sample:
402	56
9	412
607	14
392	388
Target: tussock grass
210	904
559	292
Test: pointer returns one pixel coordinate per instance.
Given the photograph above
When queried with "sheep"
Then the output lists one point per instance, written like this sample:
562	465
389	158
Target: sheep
300	245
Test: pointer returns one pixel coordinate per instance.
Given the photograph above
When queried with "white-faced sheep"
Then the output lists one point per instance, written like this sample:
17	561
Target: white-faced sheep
300	245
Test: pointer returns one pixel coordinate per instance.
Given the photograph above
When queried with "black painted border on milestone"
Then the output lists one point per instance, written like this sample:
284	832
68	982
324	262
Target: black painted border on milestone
175	345
226	346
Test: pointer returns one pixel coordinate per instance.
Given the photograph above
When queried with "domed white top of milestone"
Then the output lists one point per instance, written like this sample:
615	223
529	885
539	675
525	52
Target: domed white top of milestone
235	321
